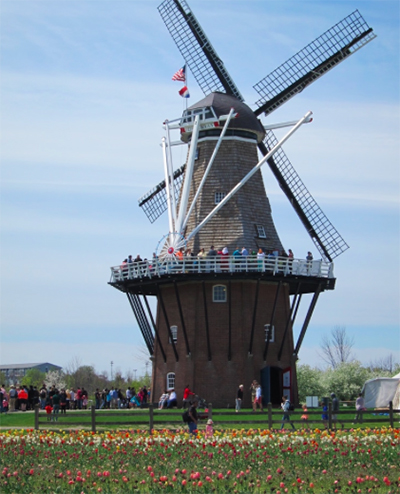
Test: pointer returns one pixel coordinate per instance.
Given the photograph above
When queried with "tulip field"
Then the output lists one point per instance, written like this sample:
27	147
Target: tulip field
259	461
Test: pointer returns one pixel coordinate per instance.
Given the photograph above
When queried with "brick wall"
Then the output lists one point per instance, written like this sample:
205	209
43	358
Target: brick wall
218	378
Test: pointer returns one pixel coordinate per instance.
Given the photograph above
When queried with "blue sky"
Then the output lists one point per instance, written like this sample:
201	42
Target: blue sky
85	87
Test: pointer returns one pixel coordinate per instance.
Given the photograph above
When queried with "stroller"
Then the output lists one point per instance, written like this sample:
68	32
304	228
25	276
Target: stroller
201	402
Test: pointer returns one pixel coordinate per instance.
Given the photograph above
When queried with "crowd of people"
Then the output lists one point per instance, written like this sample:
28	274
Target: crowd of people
240	256
23	398
54	401
169	399
116	398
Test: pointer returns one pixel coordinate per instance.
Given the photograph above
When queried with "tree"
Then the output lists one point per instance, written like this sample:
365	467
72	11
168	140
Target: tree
84	377
385	366
336	348
55	378
34	377
119	381
309	382
346	380
3	379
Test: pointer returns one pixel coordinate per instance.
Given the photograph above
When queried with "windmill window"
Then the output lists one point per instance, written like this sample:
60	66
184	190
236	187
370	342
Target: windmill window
204	114
219	196
174	332
219	293
269	333
261	231
170	380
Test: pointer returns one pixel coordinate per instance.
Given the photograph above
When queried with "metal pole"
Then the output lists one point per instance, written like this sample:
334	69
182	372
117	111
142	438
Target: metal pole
188	176
248	176
171	170
210	164
171	218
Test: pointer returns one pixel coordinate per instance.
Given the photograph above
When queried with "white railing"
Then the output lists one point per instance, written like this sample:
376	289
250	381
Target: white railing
222	264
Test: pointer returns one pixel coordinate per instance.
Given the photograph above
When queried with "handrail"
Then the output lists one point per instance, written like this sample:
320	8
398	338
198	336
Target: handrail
273	265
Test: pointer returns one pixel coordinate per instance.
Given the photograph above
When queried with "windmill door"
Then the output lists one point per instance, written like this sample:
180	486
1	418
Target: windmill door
271	385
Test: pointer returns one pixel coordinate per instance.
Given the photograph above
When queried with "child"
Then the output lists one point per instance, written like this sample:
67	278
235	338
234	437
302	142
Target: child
5	405
209	428
48	409
304	417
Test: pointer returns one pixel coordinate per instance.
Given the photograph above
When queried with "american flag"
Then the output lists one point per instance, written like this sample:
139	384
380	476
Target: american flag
180	75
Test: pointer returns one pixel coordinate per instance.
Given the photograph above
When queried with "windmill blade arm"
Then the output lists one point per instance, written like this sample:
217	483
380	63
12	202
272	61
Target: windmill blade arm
313	61
327	239
196	49
154	202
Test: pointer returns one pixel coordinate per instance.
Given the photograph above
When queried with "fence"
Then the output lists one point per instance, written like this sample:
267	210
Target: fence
220	264
162	418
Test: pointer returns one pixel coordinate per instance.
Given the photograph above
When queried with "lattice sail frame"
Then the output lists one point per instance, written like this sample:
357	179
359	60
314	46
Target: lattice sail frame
154	202
328	235
313	61
208	70
329	49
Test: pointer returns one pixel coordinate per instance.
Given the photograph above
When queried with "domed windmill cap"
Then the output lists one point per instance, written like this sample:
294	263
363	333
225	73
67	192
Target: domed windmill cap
222	104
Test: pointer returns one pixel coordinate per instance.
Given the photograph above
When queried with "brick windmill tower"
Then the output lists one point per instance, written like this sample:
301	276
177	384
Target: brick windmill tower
222	320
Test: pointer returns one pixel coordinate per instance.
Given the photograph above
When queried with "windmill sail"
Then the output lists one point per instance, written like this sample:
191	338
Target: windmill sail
154	202
317	58
324	235
313	61
196	49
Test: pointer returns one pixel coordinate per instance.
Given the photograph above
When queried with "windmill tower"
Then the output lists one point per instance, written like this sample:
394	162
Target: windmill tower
224	320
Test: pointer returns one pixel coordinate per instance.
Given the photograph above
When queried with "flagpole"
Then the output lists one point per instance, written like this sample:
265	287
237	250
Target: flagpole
186	86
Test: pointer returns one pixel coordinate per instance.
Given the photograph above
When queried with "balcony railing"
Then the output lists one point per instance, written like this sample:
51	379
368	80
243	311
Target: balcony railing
221	264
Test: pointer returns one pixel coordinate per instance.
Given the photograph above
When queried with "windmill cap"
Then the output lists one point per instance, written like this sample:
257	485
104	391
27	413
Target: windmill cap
222	103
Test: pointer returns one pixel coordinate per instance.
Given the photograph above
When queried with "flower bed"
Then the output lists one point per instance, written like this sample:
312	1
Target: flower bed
235	461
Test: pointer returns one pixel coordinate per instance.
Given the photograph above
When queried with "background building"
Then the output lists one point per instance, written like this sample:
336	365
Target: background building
15	372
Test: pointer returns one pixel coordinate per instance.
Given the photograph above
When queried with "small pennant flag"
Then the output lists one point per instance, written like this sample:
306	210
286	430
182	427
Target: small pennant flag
180	75
184	92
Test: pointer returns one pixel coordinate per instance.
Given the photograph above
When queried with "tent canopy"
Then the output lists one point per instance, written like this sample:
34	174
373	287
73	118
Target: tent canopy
380	391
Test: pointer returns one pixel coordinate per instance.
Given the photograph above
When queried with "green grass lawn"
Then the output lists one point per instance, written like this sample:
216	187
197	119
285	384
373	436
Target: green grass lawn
223	419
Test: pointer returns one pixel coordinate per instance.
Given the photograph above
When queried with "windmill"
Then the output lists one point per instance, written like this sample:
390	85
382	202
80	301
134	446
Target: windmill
232	317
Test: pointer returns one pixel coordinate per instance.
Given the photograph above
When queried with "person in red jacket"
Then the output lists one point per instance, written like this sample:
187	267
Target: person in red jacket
186	397
22	399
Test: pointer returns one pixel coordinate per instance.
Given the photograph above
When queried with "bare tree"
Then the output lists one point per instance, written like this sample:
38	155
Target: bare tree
386	364
336	348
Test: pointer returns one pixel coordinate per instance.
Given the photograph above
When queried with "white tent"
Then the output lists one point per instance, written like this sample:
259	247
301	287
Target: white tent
380	391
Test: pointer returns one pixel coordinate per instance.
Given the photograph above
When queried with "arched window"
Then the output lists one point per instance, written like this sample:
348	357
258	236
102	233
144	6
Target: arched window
219	293
174	332
171	380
